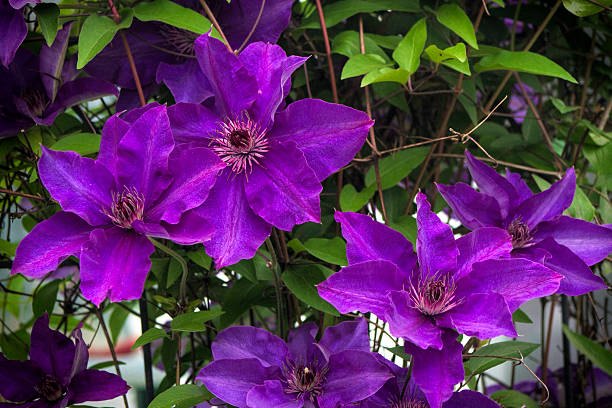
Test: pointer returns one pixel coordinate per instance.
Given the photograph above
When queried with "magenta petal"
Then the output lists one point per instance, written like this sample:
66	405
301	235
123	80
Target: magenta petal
191	122
284	190
437	371
363	287
13	31
522	189
192	229
369	240
409	323
114	264
272	395
470	399
351	335
547	204
328	134
18	379
51	350
436	248
52	61
591	242
112	133
79	184
49	243
480	245
186	81
473	209
241	342
95	385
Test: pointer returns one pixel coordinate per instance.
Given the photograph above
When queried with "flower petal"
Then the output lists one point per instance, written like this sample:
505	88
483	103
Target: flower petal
79	184
328	134
192	229
114	264
96	385
13	31
112	133
49	243
350	335
369	240
480	245
474	210
192	122
51	350
283	190
19	379
301	342
52	61
81	354
470	399
272	394
522	189
242	342
186	81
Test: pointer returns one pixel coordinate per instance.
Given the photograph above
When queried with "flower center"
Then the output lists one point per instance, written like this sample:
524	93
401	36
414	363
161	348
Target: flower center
50	389
182	40
519	231
409	403
433	295
127	207
36	101
240	143
303	379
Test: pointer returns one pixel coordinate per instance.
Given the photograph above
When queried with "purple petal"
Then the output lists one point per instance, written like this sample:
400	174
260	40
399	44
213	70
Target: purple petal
363	287
81	354
51	350
470	399
13	31
192	229
95	385
106	257
238	230
522	189
272	394
437	371
191	122
52	61
49	243
474	210
283	190
591	242
328	134
78	184
133	115
480	245
369	240
18	379
18	4
231	380
234	88
186	81
112	133
242	342
436	248
547	204
301	342
409	323
351	335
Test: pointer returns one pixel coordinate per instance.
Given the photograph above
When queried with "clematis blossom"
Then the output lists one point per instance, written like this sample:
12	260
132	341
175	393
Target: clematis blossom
254	368
539	230
13	28
274	160
470	285
139	186
56	374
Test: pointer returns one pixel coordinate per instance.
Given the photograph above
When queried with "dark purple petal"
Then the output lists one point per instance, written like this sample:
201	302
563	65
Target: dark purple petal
480	245
193	228
470	399
234	88
351	335
106	257
272	394
474	210
436	248
78	184
231	380
245	342
49	243
81	354
408	322
363	287
18	379
13	31
191	122
301	342
186	81
133	115
522	190
95	385
591	242
284	191
52	61
437	371
547	204
113	131
369	240
328	134
51	350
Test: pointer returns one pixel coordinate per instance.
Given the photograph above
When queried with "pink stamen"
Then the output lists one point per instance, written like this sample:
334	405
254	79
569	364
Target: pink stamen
127	207
303	379
434	294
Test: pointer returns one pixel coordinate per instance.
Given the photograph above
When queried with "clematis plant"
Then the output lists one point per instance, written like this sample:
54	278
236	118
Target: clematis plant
253	368
13	28
56	374
539	230
274	160
470	285
139	186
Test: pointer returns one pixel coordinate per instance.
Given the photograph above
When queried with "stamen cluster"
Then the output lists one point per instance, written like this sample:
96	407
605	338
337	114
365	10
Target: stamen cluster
182	40
36	101
408	402
303	379
50	388
519	231
127	207
434	294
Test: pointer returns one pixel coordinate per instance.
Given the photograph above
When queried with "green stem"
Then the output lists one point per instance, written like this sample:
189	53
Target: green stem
182	262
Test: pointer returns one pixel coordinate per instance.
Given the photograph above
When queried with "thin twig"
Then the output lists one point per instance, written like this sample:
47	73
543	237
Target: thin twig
215	23
126	45
255	24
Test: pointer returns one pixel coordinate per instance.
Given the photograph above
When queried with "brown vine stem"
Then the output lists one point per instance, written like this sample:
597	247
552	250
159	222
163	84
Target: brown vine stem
16	193
255	24
126	45
215	23
548	337
503	163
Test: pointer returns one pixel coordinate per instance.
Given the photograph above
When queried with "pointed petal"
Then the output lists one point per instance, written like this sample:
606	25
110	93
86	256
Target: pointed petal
351	335
13	31
474	210
369	240
186	81
470	399
362	287
49	243
284	191
192	229
19	379
591	242
480	245
79	184
436	248
328	134
96	385
81	354
52	61
106	258
112	133
192	122
301	342
51	350
272	394
522	189
242	342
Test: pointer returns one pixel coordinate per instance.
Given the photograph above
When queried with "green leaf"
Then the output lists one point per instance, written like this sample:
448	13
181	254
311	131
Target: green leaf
97	32
117	321
194	321
523	61
583	8
360	64
185	394
437	55
399	351
600	356
513	399
149	336
343	9
44	298
47	15
408	52
463	67
396	167
239	299
347	43
562	107
82	143
353	200
386	74
302	280
455	19
479	365
520	317
406	224
200	258
104	364
329	250
8	248
171	13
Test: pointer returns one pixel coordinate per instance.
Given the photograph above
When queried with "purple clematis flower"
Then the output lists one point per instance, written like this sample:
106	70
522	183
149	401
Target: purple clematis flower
139	186
470	285
35	89
56	375
13	28
254	368
275	160
539	231
518	105
163	53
